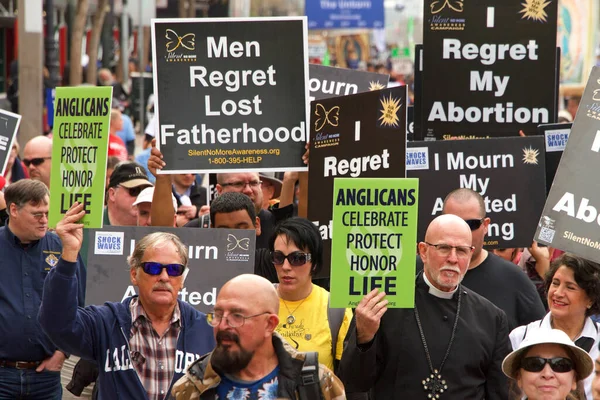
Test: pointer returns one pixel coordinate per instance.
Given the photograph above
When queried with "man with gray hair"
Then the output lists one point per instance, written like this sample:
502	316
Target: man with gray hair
29	251
143	344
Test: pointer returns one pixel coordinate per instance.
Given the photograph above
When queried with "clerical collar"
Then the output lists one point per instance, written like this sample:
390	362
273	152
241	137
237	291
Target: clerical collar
437	292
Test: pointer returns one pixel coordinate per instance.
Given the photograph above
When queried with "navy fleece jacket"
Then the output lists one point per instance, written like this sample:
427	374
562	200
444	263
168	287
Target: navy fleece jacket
101	334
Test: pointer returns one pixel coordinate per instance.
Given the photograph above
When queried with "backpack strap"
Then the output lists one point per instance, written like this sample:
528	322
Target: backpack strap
309	388
335	317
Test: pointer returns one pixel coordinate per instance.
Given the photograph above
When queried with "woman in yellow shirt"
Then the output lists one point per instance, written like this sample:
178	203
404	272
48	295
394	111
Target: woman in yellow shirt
304	315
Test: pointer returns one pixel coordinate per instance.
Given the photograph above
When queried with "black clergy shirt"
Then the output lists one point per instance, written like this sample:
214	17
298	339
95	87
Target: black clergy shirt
394	364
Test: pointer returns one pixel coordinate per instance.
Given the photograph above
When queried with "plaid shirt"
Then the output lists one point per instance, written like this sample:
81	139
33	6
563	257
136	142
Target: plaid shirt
153	356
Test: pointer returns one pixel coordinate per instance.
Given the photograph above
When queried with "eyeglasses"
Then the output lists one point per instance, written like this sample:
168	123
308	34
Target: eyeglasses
234	320
35	161
295	258
134	191
39	215
241	185
474	224
154	268
536	364
445	249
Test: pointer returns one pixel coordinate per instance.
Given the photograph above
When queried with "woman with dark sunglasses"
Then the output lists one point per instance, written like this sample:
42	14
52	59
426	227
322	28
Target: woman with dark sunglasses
305	319
547	365
573	293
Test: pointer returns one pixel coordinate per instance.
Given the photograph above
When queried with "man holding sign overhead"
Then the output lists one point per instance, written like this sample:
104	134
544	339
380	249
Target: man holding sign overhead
450	346
143	344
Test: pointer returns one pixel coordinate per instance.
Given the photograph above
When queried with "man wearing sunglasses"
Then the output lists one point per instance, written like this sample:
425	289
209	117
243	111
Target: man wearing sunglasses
126	183
496	279
450	346
36	157
141	345
251	360
28	252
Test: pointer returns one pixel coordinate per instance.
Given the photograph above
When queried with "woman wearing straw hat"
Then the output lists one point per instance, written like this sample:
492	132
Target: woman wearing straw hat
573	287
547	365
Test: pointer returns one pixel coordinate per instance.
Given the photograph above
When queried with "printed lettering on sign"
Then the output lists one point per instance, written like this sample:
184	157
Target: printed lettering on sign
109	243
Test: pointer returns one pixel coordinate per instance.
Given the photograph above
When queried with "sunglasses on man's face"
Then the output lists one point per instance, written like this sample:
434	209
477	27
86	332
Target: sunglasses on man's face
133	192
474	224
295	258
536	364
155	268
35	161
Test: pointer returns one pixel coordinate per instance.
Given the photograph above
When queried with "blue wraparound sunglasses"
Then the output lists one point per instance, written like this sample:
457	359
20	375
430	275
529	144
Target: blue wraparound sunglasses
154	268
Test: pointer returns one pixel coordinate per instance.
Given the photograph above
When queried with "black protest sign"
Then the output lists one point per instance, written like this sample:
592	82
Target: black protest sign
231	94
555	137
215	256
479	61
328	82
570	218
358	135
410	123
9	125
507	172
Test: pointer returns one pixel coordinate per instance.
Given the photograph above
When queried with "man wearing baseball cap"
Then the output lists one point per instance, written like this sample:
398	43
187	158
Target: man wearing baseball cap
126	182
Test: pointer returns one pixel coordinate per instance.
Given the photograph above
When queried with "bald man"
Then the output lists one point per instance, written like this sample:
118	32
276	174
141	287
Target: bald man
500	281
252	360
36	157
450	345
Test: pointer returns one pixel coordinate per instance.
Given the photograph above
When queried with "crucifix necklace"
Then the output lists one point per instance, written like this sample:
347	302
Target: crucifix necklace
434	384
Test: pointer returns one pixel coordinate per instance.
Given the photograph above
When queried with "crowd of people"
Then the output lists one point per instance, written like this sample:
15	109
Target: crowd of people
499	324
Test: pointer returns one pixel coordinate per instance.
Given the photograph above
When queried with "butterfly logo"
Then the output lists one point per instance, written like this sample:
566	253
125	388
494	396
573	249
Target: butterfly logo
233	243
596	95
456	5
187	41
332	116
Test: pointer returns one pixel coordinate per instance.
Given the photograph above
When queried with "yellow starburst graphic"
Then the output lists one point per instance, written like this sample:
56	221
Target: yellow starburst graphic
375	86
389	111
530	155
535	10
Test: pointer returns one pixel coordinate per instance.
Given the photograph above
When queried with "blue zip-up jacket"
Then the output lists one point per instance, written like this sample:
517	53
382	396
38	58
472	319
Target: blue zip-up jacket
24	270
101	333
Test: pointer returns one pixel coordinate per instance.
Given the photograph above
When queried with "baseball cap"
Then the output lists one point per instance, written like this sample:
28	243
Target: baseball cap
145	196
584	365
129	174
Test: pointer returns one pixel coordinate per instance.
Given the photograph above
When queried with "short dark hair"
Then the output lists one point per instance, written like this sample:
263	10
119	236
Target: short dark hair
232	201
25	191
463	195
587	276
305	235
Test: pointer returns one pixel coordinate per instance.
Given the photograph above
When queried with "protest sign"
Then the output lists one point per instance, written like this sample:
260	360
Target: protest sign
9	125
477	72
330	14
231	94
507	172
361	135
410	123
570	220
140	104
328	82
79	152
215	256
555	137
374	246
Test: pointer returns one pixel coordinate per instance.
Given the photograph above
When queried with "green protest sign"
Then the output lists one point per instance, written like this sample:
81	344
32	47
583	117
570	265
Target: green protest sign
374	240
79	152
